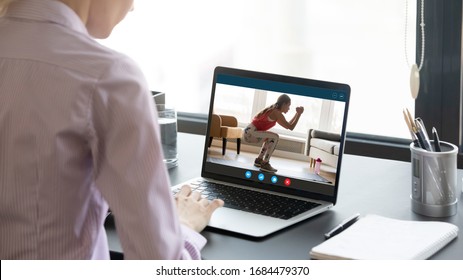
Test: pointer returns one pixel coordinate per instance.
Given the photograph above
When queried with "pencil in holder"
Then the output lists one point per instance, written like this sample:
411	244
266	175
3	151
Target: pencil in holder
434	180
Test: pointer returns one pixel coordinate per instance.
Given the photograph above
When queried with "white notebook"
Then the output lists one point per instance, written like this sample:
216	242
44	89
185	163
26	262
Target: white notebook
377	237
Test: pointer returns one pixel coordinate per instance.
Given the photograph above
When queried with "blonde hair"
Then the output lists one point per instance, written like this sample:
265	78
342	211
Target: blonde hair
4	6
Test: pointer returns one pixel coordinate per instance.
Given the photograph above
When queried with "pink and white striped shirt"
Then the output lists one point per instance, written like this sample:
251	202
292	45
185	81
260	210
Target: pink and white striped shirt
78	131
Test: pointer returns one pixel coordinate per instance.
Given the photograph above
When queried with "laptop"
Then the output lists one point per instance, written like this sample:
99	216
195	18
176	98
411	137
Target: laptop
259	203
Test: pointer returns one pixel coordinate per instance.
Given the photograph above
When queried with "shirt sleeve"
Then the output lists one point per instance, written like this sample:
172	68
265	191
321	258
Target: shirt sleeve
129	171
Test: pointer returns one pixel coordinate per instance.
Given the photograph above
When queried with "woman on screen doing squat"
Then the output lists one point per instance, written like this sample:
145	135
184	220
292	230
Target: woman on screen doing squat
257	130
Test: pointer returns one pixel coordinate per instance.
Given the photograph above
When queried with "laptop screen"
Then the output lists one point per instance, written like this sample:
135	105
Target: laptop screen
289	132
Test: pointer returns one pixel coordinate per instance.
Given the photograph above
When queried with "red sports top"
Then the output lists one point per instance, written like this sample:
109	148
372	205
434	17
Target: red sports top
262	122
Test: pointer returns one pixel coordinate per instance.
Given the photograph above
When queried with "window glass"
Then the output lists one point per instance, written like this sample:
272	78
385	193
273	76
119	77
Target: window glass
229	95
362	43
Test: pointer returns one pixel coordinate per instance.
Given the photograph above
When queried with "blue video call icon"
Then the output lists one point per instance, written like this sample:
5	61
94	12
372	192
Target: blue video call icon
274	179
248	174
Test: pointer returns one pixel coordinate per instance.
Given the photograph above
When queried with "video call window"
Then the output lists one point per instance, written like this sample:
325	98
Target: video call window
292	155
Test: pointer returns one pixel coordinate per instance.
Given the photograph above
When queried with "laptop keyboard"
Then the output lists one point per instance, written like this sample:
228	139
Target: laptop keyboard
252	201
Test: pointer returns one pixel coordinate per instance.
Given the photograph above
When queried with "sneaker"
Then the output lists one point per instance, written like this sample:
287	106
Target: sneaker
258	162
267	167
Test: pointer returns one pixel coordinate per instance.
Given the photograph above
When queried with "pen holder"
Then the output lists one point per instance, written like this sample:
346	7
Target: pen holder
434	180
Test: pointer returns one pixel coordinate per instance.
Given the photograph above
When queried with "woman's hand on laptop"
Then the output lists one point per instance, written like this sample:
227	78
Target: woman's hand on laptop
195	211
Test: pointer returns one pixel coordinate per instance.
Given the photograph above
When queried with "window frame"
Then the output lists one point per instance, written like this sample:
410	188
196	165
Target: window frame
439	102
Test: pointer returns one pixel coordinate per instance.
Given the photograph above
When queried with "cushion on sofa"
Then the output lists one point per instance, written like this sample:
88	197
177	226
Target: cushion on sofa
325	135
325	145
336	150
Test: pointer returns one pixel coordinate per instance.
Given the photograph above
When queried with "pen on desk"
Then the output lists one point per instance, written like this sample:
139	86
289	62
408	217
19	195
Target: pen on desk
342	226
435	136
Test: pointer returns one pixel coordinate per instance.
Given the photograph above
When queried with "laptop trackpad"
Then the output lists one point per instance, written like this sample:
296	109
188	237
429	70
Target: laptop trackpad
245	222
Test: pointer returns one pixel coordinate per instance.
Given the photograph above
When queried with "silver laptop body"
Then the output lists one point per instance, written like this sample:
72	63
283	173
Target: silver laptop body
296	177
